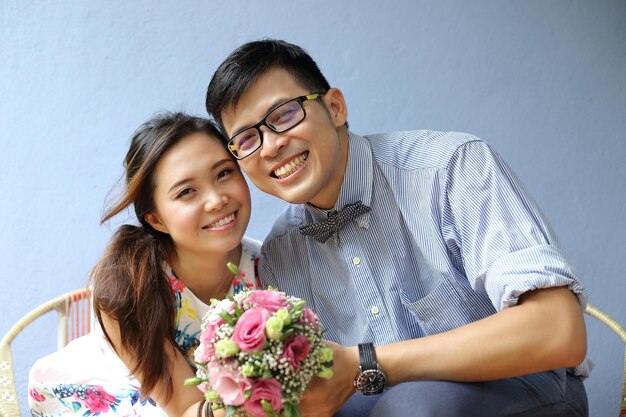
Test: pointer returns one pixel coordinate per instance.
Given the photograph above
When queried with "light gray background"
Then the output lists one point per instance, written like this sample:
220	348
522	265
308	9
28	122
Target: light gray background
543	82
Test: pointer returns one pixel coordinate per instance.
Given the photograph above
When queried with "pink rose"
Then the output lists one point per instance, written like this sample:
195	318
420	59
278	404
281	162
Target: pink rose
269	300
312	319
269	390
296	350
204	386
204	351
35	395
229	384
98	400
223	306
249	332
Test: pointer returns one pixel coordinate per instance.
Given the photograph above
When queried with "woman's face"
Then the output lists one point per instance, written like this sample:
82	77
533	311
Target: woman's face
201	198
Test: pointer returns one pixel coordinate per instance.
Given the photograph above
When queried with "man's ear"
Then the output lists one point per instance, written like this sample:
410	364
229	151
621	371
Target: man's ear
154	221
336	104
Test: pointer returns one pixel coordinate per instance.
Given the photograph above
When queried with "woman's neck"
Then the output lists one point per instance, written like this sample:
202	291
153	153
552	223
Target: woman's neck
206	275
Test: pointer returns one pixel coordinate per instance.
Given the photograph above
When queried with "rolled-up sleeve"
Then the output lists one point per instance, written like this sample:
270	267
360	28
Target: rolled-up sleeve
506	245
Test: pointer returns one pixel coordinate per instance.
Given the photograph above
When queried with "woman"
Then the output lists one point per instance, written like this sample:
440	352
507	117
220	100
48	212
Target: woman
155	281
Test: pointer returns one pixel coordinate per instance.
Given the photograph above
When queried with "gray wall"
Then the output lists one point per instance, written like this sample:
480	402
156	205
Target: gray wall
543	82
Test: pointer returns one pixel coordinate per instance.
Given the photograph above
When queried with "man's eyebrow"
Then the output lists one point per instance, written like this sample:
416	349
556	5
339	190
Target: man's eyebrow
271	108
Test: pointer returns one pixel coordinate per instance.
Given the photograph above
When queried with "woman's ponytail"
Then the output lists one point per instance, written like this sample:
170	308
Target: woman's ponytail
131	287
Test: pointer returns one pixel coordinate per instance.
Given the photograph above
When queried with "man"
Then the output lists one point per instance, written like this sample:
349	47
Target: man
422	244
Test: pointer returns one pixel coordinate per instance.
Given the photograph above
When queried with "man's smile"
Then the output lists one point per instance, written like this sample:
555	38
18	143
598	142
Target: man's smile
290	167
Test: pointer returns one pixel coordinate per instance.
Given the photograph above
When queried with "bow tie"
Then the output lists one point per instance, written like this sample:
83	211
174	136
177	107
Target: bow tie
325	229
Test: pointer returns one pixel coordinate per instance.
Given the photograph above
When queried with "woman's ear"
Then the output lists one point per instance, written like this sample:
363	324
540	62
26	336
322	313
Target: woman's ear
154	221
336	104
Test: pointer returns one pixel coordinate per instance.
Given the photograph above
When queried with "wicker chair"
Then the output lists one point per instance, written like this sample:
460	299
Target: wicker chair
621	332
74	320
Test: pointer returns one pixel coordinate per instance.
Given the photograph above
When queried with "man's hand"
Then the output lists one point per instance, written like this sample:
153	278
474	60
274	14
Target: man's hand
324	397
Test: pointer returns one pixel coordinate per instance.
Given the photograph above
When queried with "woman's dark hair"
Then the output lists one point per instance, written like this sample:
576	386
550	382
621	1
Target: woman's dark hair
129	282
249	62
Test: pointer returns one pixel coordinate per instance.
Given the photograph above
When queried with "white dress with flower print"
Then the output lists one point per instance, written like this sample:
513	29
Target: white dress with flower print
87	378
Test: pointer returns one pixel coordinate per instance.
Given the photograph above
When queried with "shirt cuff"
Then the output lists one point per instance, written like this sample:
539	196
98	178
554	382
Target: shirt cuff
541	266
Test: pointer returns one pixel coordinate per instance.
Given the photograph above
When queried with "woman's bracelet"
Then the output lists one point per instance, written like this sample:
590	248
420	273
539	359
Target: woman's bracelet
208	410
199	414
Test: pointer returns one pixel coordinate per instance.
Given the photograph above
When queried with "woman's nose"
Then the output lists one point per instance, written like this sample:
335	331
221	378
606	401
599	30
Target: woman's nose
215	201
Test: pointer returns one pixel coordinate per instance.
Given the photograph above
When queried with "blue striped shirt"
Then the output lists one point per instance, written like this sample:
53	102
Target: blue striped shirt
452	238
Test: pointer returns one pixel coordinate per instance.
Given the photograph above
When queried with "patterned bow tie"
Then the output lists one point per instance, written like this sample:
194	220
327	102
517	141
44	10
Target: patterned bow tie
325	229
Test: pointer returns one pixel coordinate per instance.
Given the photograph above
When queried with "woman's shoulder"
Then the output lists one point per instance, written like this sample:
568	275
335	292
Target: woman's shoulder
248	265
251	246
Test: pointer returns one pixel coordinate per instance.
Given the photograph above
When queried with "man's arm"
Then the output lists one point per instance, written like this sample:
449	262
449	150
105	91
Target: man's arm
546	330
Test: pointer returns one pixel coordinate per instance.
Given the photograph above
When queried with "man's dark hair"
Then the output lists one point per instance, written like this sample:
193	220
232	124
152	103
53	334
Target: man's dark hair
249	62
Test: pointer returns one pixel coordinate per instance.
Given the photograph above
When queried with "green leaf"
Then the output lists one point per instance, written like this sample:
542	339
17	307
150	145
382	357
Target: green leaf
267	407
233	268
228	318
286	334
238	311
212	396
230	411
292	409
193	381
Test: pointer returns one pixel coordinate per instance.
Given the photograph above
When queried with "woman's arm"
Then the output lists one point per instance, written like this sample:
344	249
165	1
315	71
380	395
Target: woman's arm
184	400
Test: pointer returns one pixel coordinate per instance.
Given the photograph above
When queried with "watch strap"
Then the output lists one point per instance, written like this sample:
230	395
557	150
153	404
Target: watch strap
367	356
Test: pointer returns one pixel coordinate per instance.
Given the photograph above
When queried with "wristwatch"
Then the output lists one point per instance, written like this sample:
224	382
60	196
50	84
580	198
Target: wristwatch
371	379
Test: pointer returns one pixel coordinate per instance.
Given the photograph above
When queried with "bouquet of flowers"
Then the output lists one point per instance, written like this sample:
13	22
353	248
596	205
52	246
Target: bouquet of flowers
258	352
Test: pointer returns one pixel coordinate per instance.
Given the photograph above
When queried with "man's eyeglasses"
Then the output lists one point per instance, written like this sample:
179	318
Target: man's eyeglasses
280	119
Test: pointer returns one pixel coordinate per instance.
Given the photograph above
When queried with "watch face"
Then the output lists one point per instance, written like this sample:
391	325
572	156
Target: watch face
371	381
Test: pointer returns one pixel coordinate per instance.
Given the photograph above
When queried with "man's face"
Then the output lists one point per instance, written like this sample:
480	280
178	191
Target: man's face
304	164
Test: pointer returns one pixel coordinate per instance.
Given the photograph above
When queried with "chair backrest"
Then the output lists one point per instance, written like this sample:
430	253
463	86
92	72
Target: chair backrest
619	330
74	320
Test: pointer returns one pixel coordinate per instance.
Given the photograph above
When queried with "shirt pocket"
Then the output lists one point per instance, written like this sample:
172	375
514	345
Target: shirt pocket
448	306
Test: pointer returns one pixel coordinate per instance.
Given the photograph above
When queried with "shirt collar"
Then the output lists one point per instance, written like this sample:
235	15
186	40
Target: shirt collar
357	181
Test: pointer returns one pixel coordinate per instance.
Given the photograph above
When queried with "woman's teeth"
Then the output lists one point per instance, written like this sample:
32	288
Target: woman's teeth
290	167
225	220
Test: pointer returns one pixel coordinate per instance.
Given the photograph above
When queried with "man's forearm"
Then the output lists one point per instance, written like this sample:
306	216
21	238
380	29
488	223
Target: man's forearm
546	330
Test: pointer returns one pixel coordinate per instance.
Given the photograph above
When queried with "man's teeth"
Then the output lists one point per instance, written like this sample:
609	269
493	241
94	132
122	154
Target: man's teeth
290	167
222	222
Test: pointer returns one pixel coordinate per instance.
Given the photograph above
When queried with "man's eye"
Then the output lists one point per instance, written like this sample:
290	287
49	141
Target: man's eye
284	116
247	140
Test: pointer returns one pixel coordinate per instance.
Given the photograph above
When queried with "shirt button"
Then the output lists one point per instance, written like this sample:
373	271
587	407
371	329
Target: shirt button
375	310
356	260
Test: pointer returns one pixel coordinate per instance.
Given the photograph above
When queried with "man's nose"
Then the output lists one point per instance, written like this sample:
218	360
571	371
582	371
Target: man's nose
272	143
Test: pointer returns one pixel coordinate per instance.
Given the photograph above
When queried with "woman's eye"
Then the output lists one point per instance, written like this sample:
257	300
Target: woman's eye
184	192
223	173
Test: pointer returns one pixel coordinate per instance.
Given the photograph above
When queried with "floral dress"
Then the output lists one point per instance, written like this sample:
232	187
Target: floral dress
87	378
